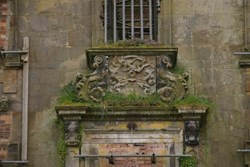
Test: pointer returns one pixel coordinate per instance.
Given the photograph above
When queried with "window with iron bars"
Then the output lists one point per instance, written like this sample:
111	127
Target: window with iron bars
129	19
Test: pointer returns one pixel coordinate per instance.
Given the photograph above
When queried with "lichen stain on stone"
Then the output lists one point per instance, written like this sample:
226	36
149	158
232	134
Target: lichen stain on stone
155	125
72	63
117	126
140	125
45	5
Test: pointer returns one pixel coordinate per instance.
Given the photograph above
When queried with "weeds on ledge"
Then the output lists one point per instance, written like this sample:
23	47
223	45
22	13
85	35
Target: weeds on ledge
132	43
193	102
69	97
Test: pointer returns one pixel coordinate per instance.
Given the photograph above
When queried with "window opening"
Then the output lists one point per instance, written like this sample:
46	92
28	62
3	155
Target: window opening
129	19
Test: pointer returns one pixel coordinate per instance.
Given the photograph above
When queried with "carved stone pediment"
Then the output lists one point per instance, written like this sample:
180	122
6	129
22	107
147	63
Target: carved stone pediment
141	71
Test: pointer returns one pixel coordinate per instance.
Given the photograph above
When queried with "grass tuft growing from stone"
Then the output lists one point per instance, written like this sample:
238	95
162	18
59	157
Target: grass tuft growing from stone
133	43
193	102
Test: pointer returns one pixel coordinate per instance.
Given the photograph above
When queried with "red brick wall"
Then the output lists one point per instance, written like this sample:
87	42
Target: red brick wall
133	149
3	22
5	128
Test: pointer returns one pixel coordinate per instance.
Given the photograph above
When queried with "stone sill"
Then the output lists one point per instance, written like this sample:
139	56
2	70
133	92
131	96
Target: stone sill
244	63
154	51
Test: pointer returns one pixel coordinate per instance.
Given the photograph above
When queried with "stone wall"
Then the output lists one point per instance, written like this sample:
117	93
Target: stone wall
59	33
206	34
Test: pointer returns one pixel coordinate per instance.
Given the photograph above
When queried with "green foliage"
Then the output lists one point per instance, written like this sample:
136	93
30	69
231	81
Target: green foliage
178	70
192	101
61	144
132	99
62	152
188	162
68	95
133	43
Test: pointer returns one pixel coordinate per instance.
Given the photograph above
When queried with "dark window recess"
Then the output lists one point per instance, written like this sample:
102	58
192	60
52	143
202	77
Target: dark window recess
129	19
13	151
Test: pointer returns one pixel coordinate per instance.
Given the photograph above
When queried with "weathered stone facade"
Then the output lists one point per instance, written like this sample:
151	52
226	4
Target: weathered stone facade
206	33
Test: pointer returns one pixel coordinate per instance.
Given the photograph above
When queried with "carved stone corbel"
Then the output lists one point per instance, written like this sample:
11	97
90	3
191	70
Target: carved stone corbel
72	132
192	133
4	103
72	120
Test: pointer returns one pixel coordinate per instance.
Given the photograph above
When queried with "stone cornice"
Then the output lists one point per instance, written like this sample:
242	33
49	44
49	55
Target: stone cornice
135	113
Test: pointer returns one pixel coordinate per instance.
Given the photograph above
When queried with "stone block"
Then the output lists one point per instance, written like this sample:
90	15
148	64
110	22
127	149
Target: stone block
231	6
45	6
55	22
79	38
23	24
10	81
38	23
200	22
164	30
185	52
247	76
202	37
182	7
55	39
203	52
203	7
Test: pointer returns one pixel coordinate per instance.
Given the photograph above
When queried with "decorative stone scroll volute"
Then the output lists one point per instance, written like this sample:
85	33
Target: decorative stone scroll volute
142	71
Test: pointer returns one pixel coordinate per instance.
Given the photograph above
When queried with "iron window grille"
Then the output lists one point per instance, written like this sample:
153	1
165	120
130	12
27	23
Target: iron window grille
129	19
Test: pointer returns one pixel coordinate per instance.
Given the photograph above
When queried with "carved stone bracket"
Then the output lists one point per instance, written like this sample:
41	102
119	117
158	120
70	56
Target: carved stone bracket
72	120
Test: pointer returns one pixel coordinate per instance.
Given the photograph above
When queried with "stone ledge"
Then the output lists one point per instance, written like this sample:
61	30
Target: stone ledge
92	52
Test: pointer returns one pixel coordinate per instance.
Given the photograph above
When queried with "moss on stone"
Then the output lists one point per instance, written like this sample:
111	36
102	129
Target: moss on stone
132	43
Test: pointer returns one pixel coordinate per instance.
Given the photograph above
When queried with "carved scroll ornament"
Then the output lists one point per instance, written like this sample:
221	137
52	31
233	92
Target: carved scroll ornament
170	86
144	75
